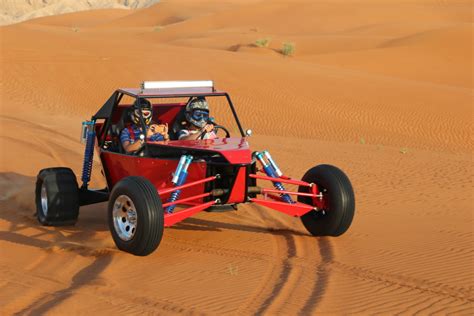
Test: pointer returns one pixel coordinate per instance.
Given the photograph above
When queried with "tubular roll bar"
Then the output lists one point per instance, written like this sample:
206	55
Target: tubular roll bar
184	95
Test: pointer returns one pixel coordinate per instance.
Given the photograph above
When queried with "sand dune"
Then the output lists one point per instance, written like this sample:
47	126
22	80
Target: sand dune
14	11
381	89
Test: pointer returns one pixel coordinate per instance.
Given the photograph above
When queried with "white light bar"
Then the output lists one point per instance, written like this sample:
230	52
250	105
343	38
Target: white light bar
177	84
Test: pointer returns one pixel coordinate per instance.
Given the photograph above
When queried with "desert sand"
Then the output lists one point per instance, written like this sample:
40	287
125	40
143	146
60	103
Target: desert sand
14	11
382	89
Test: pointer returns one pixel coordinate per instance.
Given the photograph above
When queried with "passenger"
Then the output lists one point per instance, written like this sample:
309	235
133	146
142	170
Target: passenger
130	136
198	125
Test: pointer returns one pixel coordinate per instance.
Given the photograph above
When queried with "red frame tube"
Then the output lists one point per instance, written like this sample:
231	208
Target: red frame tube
186	199
297	209
282	180
173	218
187	185
316	201
264	190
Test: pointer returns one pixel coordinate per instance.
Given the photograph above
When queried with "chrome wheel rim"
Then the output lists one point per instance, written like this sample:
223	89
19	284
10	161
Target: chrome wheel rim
124	217
44	200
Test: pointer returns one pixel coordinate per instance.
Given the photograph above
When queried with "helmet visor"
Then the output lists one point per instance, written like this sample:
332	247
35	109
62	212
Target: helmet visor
200	115
146	114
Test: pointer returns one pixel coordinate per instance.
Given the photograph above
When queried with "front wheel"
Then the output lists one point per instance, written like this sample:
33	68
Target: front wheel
339	201
135	215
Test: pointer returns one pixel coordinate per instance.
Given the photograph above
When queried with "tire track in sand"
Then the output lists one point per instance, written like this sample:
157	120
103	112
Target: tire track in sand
285	243
323	273
280	268
300	284
294	279
279	261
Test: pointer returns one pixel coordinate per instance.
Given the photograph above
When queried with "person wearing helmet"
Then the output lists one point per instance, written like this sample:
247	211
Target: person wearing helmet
197	121
132	137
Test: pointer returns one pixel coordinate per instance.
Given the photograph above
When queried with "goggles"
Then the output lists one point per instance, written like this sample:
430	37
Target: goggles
200	115
146	113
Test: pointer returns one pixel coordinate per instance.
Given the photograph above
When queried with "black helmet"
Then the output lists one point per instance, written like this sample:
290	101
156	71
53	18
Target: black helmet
147	111
197	112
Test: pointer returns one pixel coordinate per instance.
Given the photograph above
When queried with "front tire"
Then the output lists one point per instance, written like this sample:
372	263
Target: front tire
339	200
135	215
57	197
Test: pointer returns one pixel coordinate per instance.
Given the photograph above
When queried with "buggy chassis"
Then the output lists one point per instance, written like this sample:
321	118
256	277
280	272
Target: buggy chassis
143	190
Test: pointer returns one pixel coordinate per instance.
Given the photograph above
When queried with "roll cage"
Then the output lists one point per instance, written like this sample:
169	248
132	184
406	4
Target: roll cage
107	110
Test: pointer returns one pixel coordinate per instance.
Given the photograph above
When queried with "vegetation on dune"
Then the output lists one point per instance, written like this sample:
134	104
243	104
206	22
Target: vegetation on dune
262	42
288	49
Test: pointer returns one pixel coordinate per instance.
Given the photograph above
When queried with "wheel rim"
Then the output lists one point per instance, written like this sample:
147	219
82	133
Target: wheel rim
322	212
44	200
124	217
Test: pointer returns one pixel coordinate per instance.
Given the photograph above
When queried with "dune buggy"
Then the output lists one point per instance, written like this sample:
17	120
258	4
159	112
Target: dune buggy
169	181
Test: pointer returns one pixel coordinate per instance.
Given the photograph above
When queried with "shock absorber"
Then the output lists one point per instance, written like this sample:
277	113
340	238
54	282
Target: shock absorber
179	177
88	132
270	170
272	163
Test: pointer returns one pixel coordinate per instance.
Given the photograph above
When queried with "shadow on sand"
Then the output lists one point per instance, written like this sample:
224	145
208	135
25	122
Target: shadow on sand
93	220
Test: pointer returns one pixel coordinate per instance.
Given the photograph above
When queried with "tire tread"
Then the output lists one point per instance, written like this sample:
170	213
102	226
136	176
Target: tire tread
149	236
61	184
334	224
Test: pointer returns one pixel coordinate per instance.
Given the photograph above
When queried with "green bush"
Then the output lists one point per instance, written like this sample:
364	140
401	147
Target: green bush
288	49
263	42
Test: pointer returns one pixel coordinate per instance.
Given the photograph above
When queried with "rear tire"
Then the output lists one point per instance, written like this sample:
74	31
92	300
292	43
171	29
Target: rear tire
57	197
135	215
337	191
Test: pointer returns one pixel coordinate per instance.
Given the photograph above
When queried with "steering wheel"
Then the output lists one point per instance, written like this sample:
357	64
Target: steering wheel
216	128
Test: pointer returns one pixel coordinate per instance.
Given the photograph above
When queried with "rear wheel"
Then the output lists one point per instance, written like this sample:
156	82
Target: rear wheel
135	215
339	201
57	197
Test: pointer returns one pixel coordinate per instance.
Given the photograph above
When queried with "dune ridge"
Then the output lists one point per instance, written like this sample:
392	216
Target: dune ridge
14	11
381	89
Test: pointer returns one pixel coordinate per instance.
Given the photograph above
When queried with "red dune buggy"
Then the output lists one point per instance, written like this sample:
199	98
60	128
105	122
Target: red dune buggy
166	182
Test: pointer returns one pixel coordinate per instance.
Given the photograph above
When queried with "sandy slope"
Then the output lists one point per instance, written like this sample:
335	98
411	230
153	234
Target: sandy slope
369	80
14	11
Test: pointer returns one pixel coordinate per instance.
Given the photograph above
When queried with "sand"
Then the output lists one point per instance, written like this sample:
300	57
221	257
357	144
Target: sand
382	89
14	11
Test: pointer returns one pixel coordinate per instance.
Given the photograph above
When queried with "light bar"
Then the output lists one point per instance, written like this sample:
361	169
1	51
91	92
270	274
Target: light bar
177	84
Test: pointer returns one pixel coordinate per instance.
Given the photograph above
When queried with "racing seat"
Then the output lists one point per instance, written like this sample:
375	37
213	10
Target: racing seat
178	124
117	128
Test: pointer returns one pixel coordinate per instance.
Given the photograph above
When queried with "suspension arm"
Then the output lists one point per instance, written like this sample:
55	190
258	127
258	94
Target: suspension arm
187	185
282	179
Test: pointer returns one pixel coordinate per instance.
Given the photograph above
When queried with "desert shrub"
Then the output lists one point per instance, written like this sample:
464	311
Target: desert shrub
263	42
288	49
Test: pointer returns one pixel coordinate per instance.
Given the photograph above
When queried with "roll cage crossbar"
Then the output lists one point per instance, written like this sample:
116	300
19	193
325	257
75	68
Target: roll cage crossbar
105	112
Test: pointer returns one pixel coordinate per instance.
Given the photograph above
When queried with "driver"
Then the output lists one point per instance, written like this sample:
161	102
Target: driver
130	136
197	121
